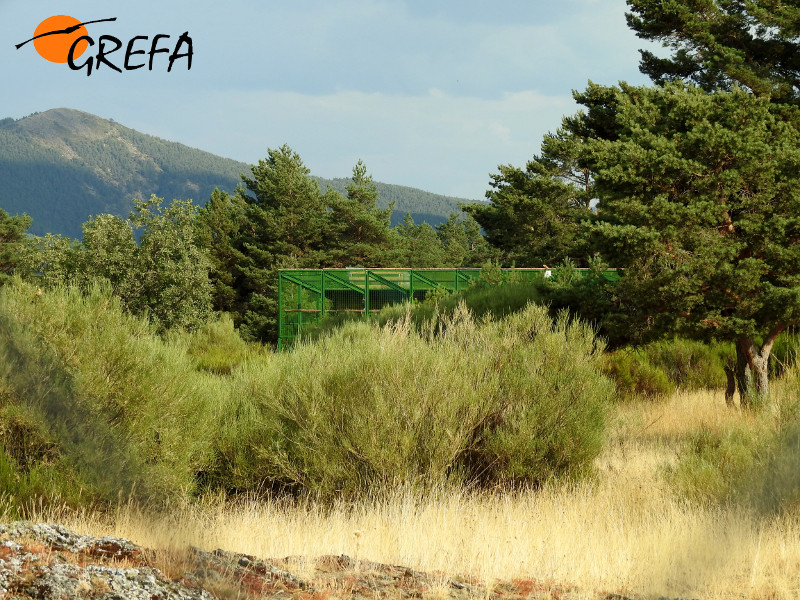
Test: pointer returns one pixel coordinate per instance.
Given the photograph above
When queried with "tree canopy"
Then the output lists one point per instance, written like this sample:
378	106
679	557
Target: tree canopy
164	276
12	237
699	206
718	44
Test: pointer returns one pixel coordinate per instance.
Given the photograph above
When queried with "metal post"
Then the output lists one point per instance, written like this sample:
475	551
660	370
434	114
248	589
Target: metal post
321	303
280	311
366	292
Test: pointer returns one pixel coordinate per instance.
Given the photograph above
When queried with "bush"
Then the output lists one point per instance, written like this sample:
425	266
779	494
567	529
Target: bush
785	352
126	409
366	408
636	377
691	365
217	347
717	467
494	294
755	465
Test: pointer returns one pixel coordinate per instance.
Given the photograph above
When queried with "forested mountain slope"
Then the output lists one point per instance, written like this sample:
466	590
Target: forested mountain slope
62	165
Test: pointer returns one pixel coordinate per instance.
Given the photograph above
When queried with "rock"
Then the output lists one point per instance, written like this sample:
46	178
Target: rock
48	562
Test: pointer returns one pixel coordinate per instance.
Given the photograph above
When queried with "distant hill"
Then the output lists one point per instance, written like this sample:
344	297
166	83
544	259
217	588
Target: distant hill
62	165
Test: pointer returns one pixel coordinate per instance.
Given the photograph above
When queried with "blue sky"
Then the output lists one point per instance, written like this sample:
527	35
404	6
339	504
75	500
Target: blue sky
432	94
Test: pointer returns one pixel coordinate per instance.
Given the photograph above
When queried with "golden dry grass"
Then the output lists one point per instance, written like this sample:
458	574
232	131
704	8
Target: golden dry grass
625	531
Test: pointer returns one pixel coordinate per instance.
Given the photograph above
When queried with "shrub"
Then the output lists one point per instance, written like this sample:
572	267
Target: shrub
689	364
756	465
636	377
366	408
125	408
785	352
494	294
216	347
716	467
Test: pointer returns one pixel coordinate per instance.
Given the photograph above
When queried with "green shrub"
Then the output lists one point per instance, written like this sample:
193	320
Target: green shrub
216	347
785	352
494	294
465	402
689	364
636	377
126	409
755	465
717	467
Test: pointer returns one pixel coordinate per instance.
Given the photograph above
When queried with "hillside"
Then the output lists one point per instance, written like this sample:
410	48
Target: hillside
62	165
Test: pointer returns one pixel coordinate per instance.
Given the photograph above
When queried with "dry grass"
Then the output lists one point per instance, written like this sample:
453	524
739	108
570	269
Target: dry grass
623	532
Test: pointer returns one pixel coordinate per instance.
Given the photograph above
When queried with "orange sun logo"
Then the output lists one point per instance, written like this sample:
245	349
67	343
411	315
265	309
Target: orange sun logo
55	35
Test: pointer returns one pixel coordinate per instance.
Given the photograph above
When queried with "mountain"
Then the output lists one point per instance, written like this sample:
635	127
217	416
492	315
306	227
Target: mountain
62	165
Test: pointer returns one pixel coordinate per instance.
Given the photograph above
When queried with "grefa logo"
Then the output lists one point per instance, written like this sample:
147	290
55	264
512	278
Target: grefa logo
64	39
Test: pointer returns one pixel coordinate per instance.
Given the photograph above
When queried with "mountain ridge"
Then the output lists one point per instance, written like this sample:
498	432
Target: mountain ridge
62	165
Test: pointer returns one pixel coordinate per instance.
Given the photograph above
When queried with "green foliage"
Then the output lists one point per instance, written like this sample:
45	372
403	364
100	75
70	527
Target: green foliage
286	225
657	369
534	215
698	206
718	45
165	276
169	281
12	236
589	296
496	293
753	465
420	246
785	353
423	206
359	230
717	466
690	364
463	243
636	377
126	410
515	401
217	347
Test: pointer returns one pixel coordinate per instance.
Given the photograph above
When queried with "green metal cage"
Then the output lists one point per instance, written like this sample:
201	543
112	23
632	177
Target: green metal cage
305	296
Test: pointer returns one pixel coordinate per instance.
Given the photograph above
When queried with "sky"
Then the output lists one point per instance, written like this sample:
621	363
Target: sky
433	94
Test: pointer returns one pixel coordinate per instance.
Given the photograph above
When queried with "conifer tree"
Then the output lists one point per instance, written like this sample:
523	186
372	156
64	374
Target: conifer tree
12	238
359	231
285	221
717	44
699	207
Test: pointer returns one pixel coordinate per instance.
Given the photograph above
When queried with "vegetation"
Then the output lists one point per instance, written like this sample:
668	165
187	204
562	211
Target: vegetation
698	207
281	219
163	276
721	45
95	166
129	412
12	235
130	368
367	409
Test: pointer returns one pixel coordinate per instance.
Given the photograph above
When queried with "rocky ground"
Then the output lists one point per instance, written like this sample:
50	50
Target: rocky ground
50	562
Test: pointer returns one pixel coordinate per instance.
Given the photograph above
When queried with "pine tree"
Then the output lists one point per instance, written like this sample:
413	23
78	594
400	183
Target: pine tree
699	207
12	239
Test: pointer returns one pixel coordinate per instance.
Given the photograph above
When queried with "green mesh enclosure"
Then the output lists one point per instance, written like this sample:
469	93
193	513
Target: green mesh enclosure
305	296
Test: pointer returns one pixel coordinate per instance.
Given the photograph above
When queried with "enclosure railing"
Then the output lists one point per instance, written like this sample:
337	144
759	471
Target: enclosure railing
305	296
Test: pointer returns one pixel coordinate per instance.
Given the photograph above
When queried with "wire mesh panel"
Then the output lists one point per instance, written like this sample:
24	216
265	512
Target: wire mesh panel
305	296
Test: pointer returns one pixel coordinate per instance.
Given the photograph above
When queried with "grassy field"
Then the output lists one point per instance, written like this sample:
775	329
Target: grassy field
625	531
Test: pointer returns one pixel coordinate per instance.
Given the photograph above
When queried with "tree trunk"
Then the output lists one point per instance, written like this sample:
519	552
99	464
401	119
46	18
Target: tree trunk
752	368
730	388
743	376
